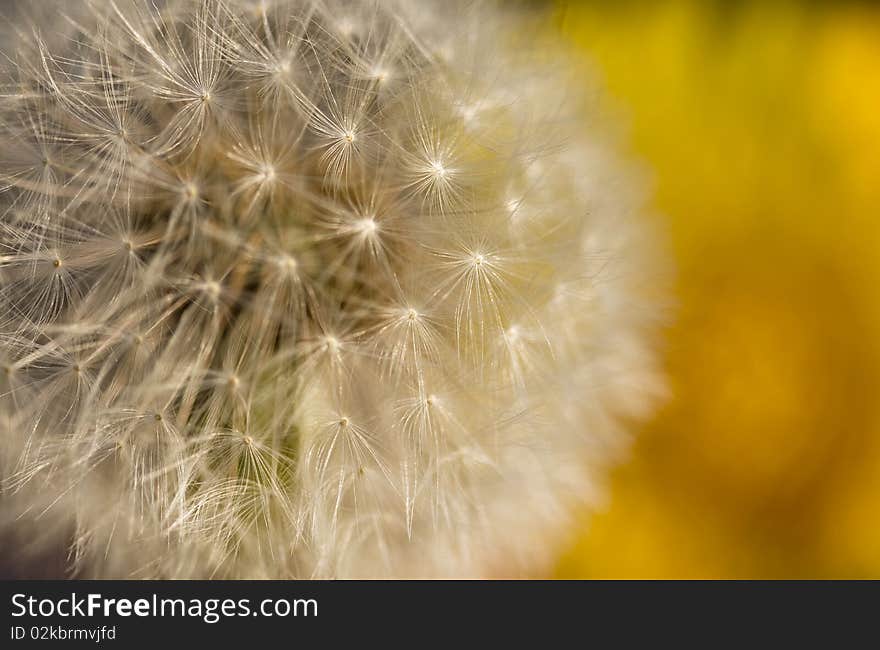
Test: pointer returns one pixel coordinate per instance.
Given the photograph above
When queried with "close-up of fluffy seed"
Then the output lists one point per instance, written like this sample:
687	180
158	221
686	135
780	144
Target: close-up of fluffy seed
309	289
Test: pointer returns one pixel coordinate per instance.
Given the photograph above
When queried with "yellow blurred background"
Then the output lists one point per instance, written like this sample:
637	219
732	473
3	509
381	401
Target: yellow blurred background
760	122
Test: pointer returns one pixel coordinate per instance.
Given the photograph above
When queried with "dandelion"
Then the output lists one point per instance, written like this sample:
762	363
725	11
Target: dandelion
307	289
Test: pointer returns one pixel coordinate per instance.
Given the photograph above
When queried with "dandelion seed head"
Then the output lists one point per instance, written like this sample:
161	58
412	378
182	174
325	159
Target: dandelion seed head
272	304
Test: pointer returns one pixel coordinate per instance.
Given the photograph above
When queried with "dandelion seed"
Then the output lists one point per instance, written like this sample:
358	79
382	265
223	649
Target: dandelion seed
367	226
345	27
190	191
380	74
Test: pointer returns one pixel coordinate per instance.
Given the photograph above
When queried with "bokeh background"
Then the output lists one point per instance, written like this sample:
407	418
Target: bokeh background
760	122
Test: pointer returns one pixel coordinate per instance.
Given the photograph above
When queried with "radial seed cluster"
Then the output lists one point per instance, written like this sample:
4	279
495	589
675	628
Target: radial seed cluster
303	288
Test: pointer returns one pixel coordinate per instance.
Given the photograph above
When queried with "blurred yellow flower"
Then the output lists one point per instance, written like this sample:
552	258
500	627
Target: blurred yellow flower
761	123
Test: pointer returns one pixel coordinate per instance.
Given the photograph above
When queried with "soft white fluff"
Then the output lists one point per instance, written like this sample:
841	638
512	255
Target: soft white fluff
301	288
